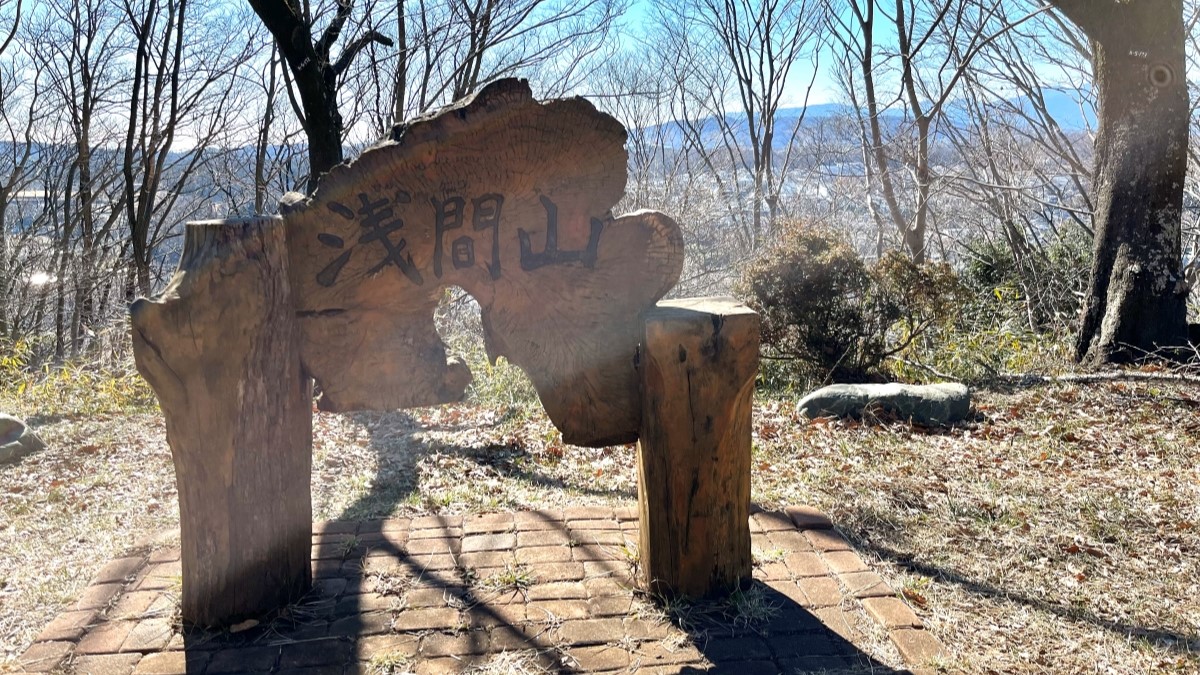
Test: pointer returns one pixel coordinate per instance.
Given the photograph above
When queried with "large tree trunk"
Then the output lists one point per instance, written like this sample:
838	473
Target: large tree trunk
1137	296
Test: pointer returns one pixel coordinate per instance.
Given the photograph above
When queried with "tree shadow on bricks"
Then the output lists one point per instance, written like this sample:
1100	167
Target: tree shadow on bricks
762	629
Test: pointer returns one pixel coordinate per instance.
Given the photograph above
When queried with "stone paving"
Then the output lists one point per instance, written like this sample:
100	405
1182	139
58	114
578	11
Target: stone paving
525	592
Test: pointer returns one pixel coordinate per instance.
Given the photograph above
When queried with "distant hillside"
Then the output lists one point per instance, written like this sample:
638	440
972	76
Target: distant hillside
1063	107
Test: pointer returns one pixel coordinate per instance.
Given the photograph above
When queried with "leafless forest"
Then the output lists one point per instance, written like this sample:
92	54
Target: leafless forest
956	131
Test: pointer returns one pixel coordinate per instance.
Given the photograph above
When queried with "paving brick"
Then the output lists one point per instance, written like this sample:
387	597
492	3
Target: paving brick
918	647
541	554
773	521
172	663
626	513
314	653
490	522
808	518
485	559
446	665
426	619
592	631
645	629
840	622
68	626
435	533
610	605
657	653
455	644
772	571
335	527
788	541
105	638
509	639
165	554
427	562
844	562
43	657
243	659
557	590
538	520
866	585
604	586
97	596
146	583
827	664
365	623
148	635
119	570
806	564
820	592
433	545
373	646
588	513
603	537
439	522
791	591
594	552
725	650
599	524
759	542
552	610
598	658
826	540
369	527
543	538
132	604
337	669
493	615
489	542
564	571
390	525
803	644
106	664
891	612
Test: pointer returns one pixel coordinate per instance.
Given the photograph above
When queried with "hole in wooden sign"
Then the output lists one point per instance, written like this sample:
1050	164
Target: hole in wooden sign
459	324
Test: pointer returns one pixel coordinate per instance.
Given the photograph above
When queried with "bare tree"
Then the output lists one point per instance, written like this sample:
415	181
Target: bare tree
731	65
173	95
315	72
935	44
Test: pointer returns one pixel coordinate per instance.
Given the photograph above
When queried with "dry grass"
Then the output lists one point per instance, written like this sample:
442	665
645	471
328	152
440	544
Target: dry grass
1057	533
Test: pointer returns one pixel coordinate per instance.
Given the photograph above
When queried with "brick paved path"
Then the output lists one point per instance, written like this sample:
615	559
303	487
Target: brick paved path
526	592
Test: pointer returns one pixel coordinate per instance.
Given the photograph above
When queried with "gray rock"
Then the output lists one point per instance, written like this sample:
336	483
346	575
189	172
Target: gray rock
927	404
17	439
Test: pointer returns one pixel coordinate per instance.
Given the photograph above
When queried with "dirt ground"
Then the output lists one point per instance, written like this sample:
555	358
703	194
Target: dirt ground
1058	531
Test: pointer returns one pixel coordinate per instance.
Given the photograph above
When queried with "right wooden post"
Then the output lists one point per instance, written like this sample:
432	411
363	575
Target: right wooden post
697	365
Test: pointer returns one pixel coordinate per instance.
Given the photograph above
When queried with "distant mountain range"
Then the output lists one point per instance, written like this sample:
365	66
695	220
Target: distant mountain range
1063	107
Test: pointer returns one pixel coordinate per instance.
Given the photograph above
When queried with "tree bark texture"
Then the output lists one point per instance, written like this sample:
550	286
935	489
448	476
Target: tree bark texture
1136	301
511	200
220	347
698	361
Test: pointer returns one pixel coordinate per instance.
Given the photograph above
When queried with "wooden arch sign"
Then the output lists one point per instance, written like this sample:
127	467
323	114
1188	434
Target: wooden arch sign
511	200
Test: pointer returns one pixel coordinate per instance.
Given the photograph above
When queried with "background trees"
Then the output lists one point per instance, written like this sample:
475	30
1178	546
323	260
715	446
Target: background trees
953	130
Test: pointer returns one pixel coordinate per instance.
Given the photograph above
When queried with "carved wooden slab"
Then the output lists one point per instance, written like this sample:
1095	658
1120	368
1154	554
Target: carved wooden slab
511	200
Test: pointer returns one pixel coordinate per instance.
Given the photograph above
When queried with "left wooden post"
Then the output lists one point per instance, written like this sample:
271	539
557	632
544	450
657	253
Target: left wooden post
220	347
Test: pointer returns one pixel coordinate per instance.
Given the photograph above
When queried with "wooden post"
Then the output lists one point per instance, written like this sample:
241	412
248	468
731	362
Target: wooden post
220	347
698	362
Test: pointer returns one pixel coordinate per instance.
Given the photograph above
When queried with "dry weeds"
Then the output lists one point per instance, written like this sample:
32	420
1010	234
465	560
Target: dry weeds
1056	533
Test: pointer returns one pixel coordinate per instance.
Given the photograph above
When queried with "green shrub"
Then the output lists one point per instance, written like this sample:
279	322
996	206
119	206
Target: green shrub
836	317
814	294
1040	289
